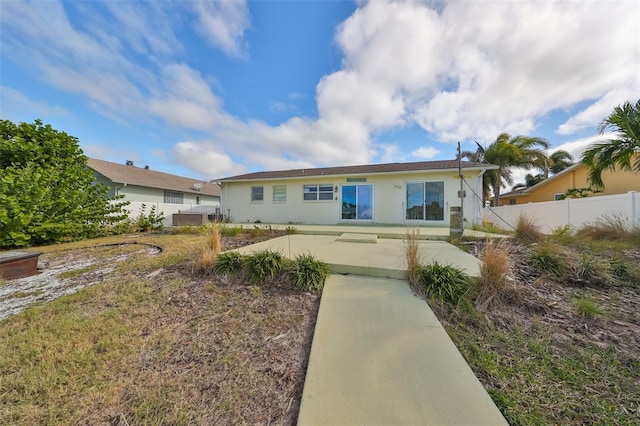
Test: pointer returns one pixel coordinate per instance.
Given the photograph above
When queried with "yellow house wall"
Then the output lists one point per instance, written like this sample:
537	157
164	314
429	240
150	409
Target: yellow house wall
389	199
618	182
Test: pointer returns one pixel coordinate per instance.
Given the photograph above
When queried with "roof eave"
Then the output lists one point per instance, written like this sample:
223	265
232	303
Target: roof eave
455	169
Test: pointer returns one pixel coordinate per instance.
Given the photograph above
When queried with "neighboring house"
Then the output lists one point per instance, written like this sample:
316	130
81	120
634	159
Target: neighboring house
573	177
420	193
149	186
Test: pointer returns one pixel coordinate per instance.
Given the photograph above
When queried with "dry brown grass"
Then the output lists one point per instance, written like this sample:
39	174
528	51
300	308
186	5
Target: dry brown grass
214	240
412	257
495	283
527	230
158	347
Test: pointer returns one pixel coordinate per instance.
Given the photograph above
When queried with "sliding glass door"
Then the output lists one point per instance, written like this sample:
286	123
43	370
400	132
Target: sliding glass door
425	201
357	202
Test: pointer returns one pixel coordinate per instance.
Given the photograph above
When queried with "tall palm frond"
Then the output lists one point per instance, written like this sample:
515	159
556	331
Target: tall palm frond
622	152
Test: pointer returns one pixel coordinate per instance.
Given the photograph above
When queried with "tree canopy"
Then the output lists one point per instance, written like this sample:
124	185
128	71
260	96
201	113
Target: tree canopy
623	151
47	193
507	152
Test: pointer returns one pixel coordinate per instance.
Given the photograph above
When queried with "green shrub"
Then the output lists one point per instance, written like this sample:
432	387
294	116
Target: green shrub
291	230
563	234
621	269
308	273
263	265
229	263
549	258
444	283
527	230
151	221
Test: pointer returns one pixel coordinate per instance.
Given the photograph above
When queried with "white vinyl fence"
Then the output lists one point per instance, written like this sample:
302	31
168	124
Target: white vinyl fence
574	212
169	209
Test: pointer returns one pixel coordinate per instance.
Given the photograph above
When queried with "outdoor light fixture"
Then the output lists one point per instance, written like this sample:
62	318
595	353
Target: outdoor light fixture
335	189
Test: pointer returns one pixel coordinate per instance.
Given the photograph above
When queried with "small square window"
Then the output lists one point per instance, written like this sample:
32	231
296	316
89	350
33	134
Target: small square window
512	201
279	193
559	196
257	194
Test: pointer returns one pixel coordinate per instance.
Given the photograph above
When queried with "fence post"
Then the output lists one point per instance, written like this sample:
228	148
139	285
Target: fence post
568	211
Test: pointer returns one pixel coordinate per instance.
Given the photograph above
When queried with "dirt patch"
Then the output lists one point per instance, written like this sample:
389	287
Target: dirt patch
551	301
65	273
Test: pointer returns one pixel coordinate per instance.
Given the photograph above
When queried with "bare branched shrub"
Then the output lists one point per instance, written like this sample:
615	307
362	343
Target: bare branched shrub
412	257
495	284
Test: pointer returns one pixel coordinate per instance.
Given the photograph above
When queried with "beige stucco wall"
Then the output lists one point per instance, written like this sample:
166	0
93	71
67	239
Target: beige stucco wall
618	182
389	198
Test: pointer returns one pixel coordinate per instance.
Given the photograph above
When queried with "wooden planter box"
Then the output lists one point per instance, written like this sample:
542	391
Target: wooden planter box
18	264
185	219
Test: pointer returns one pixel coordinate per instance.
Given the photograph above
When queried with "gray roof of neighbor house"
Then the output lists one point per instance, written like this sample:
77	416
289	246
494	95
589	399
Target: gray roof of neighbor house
442	165
132	175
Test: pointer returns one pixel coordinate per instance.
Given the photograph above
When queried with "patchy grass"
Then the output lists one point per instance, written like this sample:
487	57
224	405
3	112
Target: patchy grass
155	345
565	351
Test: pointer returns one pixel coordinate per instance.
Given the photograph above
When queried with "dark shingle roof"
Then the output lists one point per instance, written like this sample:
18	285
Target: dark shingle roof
131	175
363	169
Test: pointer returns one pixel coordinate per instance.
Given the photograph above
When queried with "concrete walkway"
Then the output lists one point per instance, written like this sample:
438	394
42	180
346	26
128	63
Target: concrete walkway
385	258
380	357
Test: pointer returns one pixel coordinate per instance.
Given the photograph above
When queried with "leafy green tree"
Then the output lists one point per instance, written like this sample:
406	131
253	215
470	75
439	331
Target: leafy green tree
508	152
623	151
47	193
558	161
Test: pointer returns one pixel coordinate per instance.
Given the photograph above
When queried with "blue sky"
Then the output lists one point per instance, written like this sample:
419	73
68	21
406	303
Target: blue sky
213	89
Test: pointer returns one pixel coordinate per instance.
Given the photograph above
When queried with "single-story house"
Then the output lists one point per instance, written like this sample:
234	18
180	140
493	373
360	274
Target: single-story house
573	177
139	184
417	193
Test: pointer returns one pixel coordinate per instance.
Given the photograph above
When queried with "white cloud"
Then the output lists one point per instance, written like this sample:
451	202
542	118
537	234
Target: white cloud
425	153
468	70
205	158
223	23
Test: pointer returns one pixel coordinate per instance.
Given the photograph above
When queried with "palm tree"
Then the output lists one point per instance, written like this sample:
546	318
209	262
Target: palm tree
622	152
507	152
514	151
558	161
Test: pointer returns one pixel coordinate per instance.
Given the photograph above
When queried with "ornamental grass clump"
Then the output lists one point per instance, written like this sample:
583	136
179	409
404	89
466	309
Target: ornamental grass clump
443	283
527	230
494	284
229	263
264	265
549	258
214	238
412	257
308	273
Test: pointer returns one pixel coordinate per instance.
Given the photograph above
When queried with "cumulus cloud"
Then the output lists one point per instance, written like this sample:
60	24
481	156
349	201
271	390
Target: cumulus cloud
460	70
425	153
205	158
224	23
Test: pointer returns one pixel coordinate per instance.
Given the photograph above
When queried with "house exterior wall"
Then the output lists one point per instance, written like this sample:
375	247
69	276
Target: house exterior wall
618	182
389	199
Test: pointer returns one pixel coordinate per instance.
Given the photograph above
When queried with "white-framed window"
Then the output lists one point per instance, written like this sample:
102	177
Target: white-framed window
558	196
173	197
279	193
257	194
318	192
